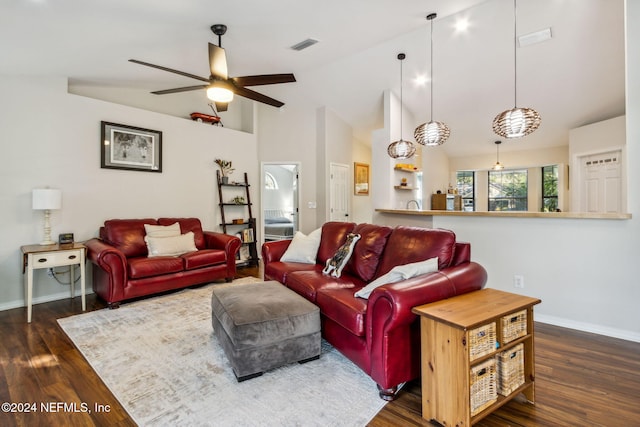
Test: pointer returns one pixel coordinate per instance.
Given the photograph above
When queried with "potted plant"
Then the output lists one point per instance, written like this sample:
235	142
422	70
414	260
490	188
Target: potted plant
226	169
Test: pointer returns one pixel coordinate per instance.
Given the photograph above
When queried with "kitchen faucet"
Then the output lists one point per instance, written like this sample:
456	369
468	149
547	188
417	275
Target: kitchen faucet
414	201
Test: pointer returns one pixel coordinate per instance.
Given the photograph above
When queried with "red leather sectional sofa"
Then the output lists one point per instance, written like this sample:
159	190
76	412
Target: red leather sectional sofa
381	335
122	270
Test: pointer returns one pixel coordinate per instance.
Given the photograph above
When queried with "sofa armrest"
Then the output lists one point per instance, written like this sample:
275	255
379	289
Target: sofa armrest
110	271
392	325
229	244
273	251
397	299
226	242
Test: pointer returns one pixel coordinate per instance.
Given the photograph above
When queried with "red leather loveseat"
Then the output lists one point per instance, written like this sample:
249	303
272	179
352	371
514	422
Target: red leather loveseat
123	268
381	335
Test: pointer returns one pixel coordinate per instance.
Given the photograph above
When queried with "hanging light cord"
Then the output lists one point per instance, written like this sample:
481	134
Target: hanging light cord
431	68
401	57
515	50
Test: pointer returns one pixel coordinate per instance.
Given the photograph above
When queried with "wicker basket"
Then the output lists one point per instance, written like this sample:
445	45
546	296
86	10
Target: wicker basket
510	369
482	340
483	386
514	326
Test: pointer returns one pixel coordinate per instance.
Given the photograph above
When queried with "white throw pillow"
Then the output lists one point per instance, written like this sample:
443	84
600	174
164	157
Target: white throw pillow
303	248
162	230
171	246
398	273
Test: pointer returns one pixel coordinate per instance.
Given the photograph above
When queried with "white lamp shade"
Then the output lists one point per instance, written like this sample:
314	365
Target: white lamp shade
46	199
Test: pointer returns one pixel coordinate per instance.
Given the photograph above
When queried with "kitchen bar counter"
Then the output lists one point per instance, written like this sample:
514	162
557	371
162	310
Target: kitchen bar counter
508	214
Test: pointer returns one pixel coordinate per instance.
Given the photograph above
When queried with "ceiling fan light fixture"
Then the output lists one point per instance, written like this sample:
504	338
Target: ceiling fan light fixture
432	134
516	123
219	93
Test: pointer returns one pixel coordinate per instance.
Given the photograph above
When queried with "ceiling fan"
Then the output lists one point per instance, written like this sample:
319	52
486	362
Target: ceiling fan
220	87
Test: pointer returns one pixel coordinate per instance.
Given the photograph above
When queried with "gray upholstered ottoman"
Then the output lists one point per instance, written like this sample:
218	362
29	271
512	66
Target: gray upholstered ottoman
264	325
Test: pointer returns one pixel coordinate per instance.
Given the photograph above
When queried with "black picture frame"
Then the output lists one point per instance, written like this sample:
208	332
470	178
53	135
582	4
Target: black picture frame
130	148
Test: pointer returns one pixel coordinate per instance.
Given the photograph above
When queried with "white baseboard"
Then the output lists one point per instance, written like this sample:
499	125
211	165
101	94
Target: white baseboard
45	298
589	327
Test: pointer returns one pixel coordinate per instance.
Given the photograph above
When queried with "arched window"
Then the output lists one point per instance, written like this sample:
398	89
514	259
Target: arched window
270	182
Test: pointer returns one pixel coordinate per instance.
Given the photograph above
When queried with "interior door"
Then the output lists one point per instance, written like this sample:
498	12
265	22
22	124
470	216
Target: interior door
601	186
339	192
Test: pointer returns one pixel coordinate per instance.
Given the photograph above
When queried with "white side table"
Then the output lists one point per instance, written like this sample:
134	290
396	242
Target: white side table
50	256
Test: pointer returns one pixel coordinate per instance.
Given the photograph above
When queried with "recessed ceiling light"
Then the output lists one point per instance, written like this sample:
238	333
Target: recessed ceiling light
304	44
420	80
462	24
535	37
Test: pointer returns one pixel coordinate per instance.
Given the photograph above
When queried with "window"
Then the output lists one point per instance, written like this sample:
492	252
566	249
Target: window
550	188
270	182
508	190
466	182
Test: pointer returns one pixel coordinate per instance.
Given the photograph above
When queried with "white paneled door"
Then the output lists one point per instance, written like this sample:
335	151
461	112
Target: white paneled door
339	192
601	183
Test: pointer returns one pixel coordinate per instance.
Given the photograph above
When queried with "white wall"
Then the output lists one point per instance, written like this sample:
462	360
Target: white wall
288	135
362	206
52	138
585	271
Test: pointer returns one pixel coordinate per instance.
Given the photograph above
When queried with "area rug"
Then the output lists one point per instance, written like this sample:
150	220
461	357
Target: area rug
160	359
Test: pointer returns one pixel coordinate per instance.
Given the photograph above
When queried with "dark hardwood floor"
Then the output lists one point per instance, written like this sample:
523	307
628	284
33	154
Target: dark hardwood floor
582	379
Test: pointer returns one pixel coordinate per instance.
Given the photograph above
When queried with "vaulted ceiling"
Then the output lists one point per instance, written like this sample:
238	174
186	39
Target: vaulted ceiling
573	79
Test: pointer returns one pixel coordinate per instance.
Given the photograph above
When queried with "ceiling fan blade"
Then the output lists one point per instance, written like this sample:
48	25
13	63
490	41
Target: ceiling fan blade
218	62
265	79
221	106
159	67
248	93
179	89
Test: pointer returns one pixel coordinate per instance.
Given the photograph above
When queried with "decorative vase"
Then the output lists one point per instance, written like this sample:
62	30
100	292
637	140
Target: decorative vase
225	179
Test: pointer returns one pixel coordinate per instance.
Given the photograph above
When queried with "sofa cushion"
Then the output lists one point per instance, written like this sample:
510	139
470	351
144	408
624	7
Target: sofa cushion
279	271
339	260
170	246
334	235
127	235
412	244
340	306
366	254
187	225
140	267
303	248
307	283
203	258
152	230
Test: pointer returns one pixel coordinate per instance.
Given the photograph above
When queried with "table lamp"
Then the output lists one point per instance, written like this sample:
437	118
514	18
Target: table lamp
47	199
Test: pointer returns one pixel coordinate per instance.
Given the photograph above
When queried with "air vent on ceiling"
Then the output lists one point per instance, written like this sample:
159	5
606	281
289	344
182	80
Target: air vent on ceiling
304	44
535	37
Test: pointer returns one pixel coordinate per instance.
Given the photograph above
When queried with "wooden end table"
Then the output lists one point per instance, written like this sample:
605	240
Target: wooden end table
449	328
50	256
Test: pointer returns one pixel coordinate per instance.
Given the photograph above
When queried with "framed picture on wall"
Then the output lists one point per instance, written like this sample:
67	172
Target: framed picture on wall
130	148
361	179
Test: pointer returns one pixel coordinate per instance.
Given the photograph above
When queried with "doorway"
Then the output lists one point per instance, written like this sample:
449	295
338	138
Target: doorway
279	188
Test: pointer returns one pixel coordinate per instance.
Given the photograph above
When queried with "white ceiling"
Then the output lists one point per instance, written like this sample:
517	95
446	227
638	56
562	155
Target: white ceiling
574	79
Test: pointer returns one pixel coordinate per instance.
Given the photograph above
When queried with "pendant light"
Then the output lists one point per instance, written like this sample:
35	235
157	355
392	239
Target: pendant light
401	149
498	166
433	133
516	122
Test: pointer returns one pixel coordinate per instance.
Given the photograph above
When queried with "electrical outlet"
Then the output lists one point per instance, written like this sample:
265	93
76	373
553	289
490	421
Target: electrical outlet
50	272
518	281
